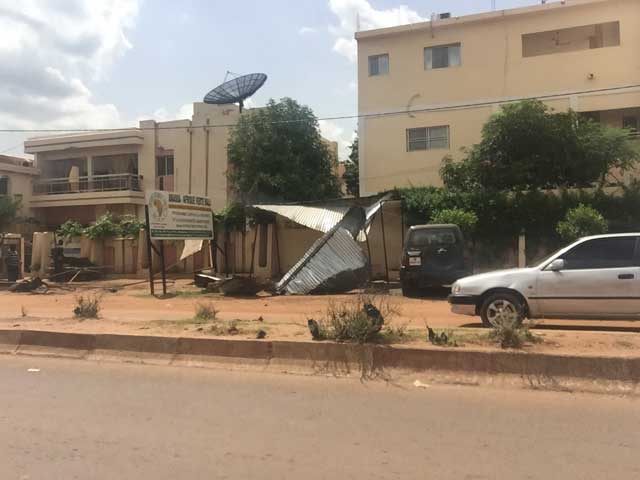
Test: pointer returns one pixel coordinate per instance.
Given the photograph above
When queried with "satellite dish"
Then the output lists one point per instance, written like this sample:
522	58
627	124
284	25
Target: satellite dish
236	90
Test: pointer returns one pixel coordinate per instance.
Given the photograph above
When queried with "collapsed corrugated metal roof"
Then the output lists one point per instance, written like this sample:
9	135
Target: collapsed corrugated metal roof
323	217
334	263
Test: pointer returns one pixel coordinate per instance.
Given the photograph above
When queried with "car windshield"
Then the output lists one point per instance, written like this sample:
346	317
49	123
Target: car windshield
424	238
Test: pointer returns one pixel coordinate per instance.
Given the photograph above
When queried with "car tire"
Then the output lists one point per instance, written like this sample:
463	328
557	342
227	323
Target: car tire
502	305
409	290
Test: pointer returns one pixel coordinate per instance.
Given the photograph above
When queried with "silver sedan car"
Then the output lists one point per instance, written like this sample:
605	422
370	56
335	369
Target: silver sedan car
595	277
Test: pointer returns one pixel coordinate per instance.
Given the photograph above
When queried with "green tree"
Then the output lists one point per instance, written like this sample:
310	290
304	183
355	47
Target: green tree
529	147
351	174
8	211
464	219
581	222
276	153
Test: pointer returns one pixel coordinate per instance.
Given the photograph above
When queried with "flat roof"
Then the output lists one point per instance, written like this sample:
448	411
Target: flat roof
476	17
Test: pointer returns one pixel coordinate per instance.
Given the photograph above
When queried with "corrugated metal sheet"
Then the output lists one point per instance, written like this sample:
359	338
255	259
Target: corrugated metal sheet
324	217
334	262
321	218
326	259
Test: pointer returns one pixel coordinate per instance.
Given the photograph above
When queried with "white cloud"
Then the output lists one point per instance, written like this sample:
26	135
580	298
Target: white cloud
250	103
52	50
350	13
307	31
334	132
185	111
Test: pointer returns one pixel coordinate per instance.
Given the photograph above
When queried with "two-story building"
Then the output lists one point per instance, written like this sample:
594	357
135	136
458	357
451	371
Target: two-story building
425	90
84	175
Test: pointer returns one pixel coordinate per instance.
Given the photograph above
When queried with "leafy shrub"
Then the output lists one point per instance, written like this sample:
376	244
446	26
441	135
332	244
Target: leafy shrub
87	307
130	226
205	312
512	334
359	320
465	219
104	227
581	222
70	229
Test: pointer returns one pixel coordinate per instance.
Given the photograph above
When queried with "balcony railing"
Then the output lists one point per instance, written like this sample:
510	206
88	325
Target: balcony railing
96	183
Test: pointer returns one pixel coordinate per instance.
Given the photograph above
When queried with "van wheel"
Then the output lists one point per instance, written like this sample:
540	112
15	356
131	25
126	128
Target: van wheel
409	290
501	308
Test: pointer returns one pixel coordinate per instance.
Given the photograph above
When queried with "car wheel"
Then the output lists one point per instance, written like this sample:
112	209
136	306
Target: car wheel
500	308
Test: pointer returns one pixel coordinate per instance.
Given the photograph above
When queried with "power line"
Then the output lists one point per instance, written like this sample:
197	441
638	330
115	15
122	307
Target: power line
330	118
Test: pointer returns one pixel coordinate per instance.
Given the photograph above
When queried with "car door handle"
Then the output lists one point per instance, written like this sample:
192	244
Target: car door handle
626	276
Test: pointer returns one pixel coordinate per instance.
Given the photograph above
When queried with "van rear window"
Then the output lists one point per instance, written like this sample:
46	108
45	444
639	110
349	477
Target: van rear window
423	238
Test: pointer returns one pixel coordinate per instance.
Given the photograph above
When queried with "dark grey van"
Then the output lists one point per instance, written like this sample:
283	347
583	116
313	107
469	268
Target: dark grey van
433	256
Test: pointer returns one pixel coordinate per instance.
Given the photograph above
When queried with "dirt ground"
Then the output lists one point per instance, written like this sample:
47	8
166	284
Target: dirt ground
129	308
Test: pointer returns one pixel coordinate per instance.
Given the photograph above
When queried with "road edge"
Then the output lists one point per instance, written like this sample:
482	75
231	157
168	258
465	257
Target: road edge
468	366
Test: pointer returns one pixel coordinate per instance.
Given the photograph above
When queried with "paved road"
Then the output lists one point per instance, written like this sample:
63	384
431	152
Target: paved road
87	420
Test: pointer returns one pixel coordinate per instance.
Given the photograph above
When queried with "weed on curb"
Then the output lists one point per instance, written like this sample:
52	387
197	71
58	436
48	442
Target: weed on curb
87	307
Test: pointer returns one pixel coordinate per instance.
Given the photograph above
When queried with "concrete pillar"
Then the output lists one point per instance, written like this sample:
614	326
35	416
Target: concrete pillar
522	251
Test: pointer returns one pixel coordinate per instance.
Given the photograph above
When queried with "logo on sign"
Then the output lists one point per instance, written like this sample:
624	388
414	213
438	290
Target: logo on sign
158	206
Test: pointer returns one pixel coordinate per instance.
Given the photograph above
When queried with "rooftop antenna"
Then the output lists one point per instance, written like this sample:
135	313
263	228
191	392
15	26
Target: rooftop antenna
493	4
357	21
236	90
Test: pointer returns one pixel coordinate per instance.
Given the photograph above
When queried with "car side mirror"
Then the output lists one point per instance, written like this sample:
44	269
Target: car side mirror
557	265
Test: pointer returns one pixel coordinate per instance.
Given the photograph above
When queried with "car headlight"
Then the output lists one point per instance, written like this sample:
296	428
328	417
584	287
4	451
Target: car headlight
456	289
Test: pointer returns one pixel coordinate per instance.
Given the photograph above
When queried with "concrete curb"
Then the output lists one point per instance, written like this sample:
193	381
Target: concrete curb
316	357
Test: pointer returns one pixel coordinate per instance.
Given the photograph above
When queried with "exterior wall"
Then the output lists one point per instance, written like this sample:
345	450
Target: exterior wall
492	70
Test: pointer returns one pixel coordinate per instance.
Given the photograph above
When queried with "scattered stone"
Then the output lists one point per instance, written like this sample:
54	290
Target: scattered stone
261	334
260	319
233	329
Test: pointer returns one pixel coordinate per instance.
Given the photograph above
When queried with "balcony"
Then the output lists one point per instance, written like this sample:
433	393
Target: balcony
96	183
85	190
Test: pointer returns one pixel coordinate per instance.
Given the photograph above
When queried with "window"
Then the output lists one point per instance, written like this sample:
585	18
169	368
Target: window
164	165
428	138
631	123
587	37
378	65
594	116
443	56
4	185
424	237
617	252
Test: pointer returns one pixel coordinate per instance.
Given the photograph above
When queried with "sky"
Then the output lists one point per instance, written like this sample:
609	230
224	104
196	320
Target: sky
110	63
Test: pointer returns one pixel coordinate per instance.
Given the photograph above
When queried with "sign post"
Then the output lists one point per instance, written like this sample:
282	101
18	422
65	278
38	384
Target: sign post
175	216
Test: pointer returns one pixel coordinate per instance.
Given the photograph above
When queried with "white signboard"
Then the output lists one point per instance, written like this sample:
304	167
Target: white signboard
176	216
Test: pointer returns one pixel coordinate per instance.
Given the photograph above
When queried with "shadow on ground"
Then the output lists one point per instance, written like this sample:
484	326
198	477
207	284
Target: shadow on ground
580	328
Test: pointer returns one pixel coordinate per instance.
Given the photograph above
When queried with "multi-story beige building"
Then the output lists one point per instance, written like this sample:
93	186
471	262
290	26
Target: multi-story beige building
84	175
425	90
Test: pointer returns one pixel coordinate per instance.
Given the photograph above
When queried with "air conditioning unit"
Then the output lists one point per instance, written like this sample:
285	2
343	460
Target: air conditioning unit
444	16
